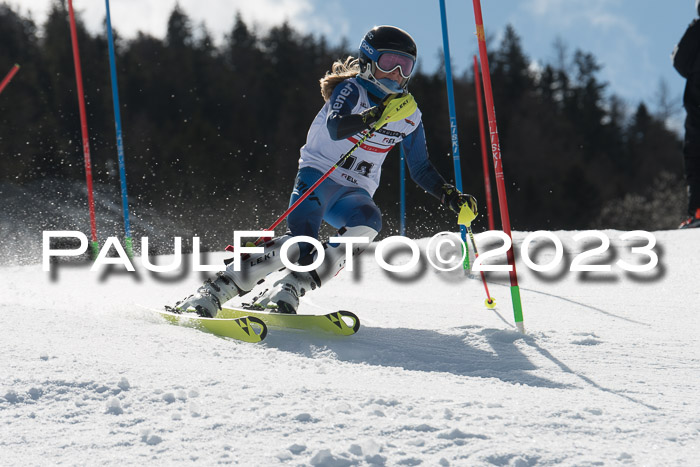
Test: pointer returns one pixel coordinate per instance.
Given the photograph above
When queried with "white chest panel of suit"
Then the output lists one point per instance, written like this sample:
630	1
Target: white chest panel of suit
363	167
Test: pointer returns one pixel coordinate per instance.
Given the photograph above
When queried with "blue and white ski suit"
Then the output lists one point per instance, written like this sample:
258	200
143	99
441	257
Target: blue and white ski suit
345	198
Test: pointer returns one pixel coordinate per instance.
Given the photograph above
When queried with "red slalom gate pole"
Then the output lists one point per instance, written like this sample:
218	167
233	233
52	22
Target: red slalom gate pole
9	76
83	129
498	164
482	140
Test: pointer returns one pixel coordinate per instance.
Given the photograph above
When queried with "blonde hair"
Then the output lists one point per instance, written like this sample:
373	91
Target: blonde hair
340	71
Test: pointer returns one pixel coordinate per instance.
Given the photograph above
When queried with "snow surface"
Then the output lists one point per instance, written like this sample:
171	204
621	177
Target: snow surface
607	373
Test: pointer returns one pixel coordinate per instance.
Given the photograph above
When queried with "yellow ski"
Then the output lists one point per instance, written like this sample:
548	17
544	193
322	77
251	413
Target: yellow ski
343	323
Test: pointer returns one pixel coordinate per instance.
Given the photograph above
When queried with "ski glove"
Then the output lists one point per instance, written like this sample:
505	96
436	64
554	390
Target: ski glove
455	200
371	115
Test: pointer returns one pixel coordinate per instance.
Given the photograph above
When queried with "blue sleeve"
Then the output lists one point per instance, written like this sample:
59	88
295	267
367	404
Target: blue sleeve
421	169
341	122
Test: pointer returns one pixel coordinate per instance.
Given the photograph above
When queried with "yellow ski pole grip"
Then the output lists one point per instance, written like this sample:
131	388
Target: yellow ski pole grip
466	216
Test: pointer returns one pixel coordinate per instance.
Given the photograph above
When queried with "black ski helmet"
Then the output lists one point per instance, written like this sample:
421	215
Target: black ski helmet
385	39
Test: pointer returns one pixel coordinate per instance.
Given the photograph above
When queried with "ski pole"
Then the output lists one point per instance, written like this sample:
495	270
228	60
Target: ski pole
465	218
9	76
490	302
313	187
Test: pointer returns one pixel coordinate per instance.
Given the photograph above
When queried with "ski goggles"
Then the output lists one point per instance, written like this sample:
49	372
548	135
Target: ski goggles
389	60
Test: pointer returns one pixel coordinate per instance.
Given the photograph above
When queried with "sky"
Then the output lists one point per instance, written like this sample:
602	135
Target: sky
632	39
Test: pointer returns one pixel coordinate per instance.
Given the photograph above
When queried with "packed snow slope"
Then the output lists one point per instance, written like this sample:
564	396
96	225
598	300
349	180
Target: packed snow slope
607	373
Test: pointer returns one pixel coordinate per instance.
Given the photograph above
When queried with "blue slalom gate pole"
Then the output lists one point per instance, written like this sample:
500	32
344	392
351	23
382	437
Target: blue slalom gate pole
453	115
402	193
118	126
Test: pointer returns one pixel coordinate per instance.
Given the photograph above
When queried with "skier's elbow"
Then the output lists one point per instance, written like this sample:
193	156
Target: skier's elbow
332	126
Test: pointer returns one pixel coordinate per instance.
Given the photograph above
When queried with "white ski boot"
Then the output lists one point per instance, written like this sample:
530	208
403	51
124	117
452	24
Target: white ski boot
210	297
284	295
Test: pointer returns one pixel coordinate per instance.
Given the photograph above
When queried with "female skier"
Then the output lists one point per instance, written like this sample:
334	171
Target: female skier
363	95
